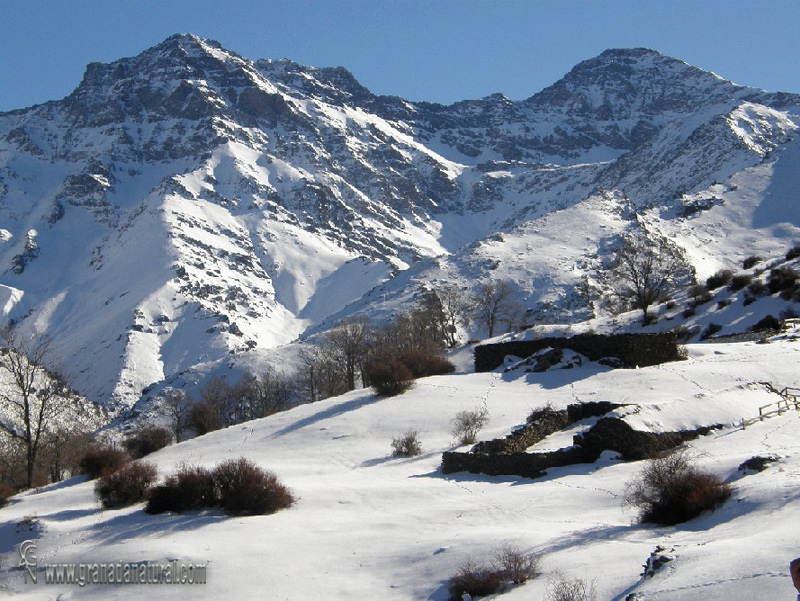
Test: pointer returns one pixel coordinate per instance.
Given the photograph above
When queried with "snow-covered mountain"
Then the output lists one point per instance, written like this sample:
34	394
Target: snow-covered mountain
188	207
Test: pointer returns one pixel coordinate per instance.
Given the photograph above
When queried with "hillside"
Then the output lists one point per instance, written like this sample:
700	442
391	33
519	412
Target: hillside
368	525
189	210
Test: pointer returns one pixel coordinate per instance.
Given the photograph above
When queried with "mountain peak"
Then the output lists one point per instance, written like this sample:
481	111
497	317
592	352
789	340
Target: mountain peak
621	82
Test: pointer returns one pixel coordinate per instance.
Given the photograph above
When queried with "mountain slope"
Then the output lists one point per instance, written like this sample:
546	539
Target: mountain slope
368	525
188	207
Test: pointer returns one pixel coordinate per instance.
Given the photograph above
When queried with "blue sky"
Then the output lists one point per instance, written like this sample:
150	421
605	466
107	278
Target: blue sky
438	50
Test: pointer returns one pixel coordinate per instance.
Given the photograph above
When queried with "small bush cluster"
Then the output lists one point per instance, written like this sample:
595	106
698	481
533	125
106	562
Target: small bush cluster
389	378
671	490
699	294
126	486
237	486
102	461
751	261
147	440
563	588
793	252
423	364
740	281
757	288
467	424
769	323
509	566
407	444
191	488
204	417
783	280
6	492
721	278
246	489
710	330
392	375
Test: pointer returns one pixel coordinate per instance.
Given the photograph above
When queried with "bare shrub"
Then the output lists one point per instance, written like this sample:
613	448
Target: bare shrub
407	444
740	281
6	492
699	294
782	279
516	566
426	363
102	461
190	488
793	252
146	440
246	489
474	580
204	417
769	323
710	330
467	424
719	279
509	565
389	377
751	261
563	588
670	490
757	288
126	486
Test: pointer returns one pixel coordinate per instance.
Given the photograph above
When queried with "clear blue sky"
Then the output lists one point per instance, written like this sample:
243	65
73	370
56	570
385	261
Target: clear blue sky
438	50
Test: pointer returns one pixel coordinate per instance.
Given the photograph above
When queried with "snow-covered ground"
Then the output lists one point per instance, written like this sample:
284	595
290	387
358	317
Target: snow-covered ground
371	526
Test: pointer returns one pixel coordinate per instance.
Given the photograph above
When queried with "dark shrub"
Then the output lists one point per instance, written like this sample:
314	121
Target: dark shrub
782	279
190	488
770	323
699	294
671	490
723	303
246	489
424	364
757	288
204	418
722	278
147	440
475	581
749	262
688	312
102	461
740	281
710	330
126	486
6	492
407	444
389	378
793	253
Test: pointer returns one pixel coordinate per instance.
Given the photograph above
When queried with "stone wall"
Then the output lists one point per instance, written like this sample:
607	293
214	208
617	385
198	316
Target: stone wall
609	433
632	349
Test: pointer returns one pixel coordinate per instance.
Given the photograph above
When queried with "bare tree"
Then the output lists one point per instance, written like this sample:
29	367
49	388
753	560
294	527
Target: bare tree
348	343
451	300
493	304
34	397
178	406
650	270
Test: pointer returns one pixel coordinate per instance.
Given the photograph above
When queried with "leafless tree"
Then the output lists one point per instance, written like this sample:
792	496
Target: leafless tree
347	342
493	304
178	405
649	270
34	398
